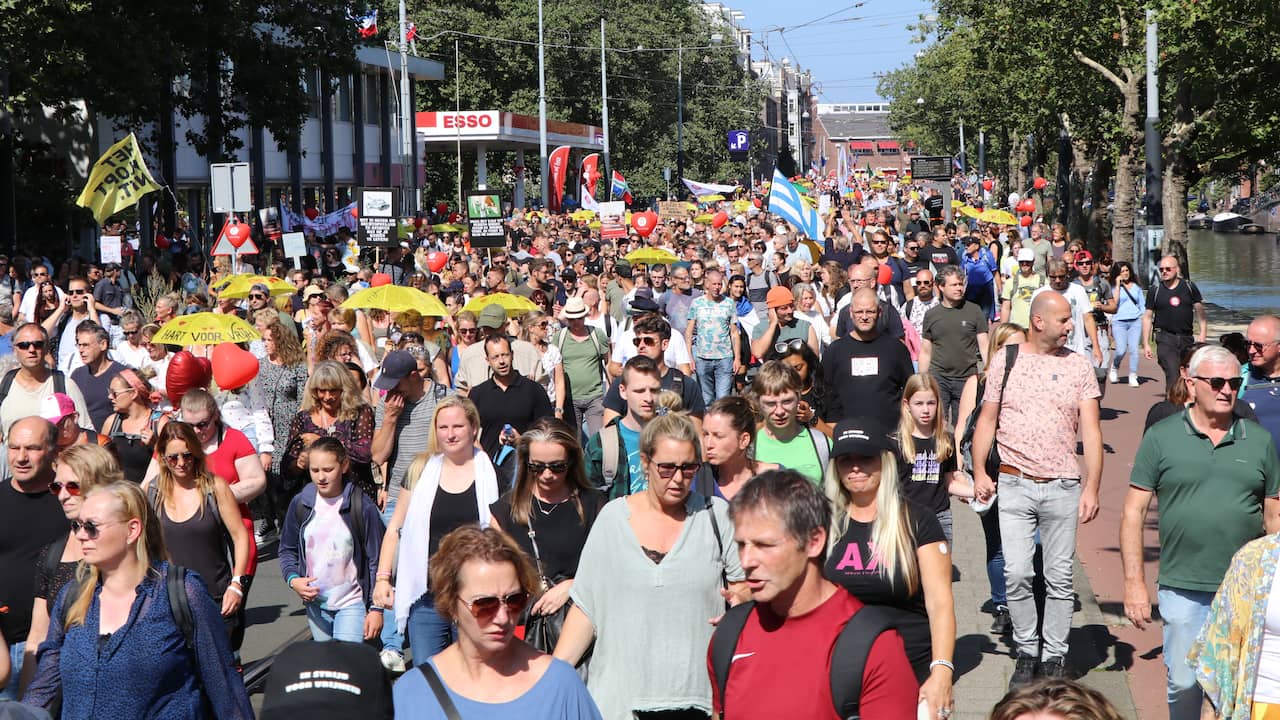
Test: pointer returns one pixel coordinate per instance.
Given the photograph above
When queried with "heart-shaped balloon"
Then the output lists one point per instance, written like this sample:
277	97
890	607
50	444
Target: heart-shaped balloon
987	185
437	260
644	223
186	371
884	275
233	368
237	234
720	219
311	213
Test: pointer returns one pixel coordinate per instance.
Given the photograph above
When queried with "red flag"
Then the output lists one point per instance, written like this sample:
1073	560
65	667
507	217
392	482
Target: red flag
590	173
558	164
412	33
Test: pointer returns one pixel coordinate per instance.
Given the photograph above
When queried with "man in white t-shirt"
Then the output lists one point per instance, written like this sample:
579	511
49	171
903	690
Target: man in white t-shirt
1084	333
27	307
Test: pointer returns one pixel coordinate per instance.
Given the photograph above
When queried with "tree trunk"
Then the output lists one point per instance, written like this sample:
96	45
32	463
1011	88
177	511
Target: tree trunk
1128	166
1177	166
1082	168
1103	169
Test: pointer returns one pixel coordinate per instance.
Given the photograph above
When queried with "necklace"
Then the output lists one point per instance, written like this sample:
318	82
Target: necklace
546	510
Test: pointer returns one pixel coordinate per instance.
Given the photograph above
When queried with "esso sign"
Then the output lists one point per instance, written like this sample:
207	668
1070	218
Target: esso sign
451	124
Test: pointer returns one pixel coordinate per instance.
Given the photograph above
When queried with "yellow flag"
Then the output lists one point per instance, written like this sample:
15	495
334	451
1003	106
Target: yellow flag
119	179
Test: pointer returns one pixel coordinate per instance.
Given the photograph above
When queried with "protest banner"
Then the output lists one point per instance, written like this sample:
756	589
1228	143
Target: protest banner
119	179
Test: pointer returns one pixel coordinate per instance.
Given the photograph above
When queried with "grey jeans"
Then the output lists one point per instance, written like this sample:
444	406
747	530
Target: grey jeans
1052	508
590	412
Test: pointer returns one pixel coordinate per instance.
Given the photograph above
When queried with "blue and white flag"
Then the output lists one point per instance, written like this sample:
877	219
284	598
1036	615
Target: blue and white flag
786	203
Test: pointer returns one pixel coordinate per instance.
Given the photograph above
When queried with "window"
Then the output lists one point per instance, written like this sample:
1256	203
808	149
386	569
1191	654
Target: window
311	85
372	116
341	99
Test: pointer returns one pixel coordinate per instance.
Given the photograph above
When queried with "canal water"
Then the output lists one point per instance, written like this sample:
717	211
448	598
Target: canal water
1240	272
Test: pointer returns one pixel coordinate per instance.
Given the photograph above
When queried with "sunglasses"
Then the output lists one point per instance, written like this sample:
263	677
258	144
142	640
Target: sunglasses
29	344
73	488
666	470
91	529
1083	263
173	458
644	340
788	346
1168	269
113	394
202	424
257	296
78	291
483	609
130	333
924	283
538	467
468	331
1217	383
1252	346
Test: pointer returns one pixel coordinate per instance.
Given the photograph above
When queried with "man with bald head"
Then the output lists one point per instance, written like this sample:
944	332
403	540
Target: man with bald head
1039	394
30	518
1262	340
863	275
1172	305
866	368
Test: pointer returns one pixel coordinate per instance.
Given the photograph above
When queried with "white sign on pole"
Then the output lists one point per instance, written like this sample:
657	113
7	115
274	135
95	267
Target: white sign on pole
229	183
295	244
110	249
824	204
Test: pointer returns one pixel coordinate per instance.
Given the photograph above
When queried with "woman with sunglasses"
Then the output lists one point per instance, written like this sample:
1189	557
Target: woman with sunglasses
79	469
466	333
158	357
483	584
333	405
535	328
199	518
624	599
550	511
133	424
117	650
451	484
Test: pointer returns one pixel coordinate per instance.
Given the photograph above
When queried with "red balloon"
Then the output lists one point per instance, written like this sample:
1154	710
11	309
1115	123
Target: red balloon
186	371
1026	205
987	185
162	242
237	234
884	275
719	219
756	201
644	222
442	209
454	217
1040	183
379	279
233	368
417	222
1025	221
437	260
311	213
355	211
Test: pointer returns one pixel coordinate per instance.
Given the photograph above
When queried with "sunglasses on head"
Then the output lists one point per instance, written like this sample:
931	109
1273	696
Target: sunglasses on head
484	608
666	470
556	467
73	487
91	529
788	346
1217	383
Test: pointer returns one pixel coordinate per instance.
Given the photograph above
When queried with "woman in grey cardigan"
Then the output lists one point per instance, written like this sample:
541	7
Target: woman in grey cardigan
657	566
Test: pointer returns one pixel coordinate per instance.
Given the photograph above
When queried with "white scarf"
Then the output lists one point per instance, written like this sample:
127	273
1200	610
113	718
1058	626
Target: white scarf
415	534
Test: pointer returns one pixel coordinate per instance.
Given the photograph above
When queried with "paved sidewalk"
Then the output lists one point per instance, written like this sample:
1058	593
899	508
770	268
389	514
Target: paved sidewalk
983	662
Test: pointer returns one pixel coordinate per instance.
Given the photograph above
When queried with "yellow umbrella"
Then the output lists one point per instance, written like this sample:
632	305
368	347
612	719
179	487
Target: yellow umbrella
447	227
238	286
580	215
971	212
691	207
999	217
957	203
396	298
513	304
703	218
710	198
741	206
651	256
205	328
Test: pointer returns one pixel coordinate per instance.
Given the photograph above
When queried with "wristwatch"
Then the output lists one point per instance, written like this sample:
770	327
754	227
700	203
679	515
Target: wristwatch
241	580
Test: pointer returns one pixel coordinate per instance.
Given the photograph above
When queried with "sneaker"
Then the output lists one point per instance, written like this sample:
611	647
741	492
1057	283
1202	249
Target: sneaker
1002	624
1133	380
1023	672
1112	377
391	660
1053	668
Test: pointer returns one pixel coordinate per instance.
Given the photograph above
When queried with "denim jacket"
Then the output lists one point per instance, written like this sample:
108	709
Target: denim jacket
293	549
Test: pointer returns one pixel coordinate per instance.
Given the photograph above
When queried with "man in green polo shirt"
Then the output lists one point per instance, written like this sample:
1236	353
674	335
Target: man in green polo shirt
783	327
1217	478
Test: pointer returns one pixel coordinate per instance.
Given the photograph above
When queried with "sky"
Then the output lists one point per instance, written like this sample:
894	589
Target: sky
844	44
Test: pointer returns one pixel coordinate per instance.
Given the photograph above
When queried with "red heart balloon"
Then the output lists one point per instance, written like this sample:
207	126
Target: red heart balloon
987	185
237	234
442	209
884	275
437	260
1040	183
756	202
719	219
233	368
1025	221
311	213
186	371
644	223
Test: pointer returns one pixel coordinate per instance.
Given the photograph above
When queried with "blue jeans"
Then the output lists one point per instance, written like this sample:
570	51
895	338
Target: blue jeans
995	555
391	638
716	377
1183	613
1052	508
428	632
1128	339
346	624
10	691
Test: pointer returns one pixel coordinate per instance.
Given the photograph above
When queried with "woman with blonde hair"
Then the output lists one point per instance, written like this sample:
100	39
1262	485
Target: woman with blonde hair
116	625
79	469
926	446
451	484
535	328
283	377
333	405
891	553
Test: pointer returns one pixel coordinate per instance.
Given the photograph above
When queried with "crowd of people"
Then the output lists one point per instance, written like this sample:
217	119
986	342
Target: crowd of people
720	482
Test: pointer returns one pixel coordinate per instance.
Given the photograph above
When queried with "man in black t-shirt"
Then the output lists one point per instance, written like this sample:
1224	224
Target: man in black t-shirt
939	253
30	518
1172	304
953	339
934	204
866	369
506	398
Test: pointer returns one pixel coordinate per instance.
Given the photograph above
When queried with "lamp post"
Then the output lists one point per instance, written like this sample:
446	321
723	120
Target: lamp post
542	113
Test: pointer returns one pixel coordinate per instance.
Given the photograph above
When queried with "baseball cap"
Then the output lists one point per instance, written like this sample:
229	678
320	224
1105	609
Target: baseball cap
492	316
1026	255
260	288
778	297
56	406
1084	256
574	308
623	268
395	366
858	436
327	680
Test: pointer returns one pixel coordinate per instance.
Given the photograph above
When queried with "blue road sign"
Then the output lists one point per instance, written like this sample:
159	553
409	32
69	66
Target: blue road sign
739	140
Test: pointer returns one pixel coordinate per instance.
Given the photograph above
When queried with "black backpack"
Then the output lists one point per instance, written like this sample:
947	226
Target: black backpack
175	586
59	382
848	657
357	516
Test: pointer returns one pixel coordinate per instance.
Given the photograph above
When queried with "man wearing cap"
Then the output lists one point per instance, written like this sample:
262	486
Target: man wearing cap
30	518
584	353
1016	304
473	366
506	398
624	342
327	681
620	290
33	380
783	327
95	375
983	275
866	368
60	410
